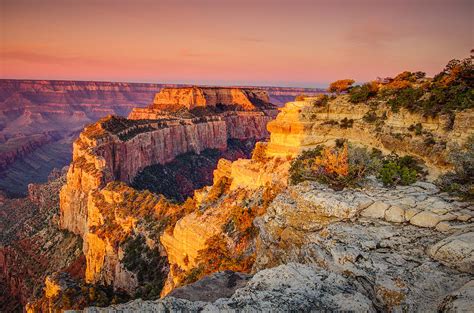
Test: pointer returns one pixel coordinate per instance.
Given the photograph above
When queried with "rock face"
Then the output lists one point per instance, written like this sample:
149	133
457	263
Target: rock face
116	149
194	97
319	249
302	125
285	288
347	232
36	114
32	246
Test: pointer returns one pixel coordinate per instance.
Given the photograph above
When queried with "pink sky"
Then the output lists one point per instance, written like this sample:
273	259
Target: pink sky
270	42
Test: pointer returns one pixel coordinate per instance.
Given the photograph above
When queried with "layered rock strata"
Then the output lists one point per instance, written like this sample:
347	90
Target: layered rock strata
302	125
116	149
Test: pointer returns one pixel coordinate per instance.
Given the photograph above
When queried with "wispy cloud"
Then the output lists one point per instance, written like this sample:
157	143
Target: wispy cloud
46	58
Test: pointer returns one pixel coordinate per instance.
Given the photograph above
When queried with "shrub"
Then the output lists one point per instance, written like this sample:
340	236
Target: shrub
299	166
450	90
405	98
363	93
399	170
348	166
337	167
340	85
346	123
370	117
321	100
460	181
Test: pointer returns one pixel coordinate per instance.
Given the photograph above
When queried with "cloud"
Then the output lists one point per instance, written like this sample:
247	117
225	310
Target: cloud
45	58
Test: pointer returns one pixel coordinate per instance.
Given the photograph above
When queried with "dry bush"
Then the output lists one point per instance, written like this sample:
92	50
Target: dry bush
340	85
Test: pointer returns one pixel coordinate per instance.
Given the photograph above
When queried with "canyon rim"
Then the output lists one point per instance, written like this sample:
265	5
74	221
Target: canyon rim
236	156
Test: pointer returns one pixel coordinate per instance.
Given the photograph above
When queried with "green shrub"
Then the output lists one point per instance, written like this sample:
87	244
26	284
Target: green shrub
361	93
299	167
405	98
399	171
460	181
358	163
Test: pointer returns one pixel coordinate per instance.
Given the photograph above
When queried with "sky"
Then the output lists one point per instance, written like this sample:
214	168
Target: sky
226	42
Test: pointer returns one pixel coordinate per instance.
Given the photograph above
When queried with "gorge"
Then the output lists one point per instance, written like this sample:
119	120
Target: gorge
39	120
298	208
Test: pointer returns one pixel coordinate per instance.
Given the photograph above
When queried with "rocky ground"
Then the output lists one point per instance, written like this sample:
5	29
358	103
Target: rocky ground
376	249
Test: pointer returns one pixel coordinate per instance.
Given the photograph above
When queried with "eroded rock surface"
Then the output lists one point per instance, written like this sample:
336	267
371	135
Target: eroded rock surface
302	125
396	260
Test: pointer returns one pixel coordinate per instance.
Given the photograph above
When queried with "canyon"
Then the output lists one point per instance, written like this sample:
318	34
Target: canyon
40	119
311	247
189	204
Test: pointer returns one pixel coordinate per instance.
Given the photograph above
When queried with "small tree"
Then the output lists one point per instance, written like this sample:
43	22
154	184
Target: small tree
340	85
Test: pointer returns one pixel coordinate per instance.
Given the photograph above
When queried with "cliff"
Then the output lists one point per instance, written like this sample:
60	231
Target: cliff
32	246
195	97
302	125
117	149
20	146
32	110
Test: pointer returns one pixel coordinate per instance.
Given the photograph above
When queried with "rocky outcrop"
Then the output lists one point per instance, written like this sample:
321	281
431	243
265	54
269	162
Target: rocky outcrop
116	149
101	156
353	233
212	287
289	287
302	125
195	97
321	249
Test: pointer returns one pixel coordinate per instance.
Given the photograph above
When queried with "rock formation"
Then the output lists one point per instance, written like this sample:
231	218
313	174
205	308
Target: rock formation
302	125
117	149
252	240
37	114
195	97
32	246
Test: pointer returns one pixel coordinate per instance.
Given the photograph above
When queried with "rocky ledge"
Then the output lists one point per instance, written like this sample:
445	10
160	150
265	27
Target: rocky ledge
368	250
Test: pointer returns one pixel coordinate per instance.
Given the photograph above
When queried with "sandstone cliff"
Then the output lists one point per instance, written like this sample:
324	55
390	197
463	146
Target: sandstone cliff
31	109
117	149
194	97
302	125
